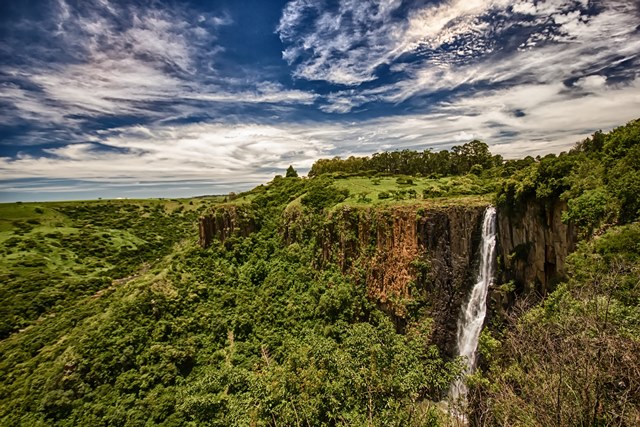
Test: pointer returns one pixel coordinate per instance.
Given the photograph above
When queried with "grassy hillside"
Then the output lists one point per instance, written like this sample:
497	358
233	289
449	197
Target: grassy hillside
168	333
391	190
53	253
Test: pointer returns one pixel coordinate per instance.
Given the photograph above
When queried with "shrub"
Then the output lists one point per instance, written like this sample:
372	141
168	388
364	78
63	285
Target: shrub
432	192
320	195
476	169
588	210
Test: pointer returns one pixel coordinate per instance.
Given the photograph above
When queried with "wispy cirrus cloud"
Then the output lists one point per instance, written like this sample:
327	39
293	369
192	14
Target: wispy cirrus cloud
123	60
343	45
113	60
224	152
438	47
135	93
348	43
252	153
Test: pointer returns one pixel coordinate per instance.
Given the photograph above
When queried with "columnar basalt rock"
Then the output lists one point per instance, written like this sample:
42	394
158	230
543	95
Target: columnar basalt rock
403	251
534	244
420	251
225	221
449	238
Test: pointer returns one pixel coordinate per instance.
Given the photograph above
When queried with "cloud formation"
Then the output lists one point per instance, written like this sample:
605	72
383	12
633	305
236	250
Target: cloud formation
254	152
125	60
135	93
460	44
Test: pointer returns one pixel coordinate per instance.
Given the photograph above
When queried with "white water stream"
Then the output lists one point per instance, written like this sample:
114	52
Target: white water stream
474	311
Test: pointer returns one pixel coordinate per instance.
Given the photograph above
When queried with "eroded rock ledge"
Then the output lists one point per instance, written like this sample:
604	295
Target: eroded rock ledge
224	221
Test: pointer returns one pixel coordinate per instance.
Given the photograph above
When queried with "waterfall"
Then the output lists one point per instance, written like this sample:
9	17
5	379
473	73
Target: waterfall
474	311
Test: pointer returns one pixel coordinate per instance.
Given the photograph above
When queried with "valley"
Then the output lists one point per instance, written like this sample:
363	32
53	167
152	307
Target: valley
333	299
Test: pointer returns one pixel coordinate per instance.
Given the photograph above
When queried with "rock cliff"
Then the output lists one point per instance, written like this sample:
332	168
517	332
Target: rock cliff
421	257
409	257
225	221
533	246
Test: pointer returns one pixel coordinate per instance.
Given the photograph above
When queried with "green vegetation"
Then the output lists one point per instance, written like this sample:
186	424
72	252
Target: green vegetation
599	178
244	333
374	191
472	157
54	253
574	358
112	314
291	172
329	191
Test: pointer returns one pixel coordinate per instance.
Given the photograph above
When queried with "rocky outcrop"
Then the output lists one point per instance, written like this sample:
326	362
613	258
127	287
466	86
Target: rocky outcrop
533	246
420	256
450	239
408	257
225	221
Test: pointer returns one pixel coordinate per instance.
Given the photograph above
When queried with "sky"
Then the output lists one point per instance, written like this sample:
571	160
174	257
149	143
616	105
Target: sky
131	99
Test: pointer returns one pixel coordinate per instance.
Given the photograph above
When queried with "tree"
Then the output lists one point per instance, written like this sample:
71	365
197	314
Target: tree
291	172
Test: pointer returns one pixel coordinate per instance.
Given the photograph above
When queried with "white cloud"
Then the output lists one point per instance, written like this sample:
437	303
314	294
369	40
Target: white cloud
347	45
160	56
26	106
550	119
601	41
197	151
344	46
106	86
590	83
515	100
265	92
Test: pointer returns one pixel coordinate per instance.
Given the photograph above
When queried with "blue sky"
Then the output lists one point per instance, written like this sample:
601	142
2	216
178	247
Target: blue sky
158	98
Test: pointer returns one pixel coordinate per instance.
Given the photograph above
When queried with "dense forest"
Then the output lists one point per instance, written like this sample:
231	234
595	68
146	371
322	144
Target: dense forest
113	314
472	157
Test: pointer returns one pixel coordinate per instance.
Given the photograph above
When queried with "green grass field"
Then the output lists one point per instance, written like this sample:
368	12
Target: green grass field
391	190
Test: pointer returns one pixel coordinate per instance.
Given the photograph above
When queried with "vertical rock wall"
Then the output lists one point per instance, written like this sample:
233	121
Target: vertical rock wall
409	252
421	254
225	221
450	240
533	246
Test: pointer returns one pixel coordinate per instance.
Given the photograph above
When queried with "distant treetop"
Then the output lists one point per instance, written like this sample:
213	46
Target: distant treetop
291	172
460	160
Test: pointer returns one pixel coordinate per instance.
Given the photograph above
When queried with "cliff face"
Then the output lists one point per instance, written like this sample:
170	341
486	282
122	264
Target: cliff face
421	257
451	240
408	256
533	246
224	222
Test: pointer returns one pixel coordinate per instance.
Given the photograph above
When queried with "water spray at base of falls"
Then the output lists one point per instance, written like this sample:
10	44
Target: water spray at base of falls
475	309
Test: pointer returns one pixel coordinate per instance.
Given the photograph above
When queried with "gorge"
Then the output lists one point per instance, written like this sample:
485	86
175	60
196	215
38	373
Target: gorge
334	300
474	310
430	248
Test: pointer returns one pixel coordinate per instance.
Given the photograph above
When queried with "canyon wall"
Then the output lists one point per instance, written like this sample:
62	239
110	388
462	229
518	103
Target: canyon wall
421	257
225	221
409	257
533	246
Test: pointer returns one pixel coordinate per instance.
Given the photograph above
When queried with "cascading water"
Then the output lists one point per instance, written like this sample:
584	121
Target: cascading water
474	311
